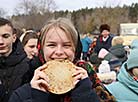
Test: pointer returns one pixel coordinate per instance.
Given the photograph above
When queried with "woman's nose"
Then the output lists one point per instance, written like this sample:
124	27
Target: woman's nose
59	50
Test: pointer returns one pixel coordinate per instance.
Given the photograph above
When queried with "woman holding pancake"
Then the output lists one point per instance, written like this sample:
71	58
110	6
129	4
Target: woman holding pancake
58	79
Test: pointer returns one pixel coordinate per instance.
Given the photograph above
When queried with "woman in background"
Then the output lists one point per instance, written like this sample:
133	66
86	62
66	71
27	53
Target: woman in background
29	41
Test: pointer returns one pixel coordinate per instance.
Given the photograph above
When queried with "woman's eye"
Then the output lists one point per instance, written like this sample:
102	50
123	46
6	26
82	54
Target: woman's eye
51	45
67	46
5	35
32	46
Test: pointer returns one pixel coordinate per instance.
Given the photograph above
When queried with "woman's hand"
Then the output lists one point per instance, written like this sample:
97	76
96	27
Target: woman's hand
79	74
40	81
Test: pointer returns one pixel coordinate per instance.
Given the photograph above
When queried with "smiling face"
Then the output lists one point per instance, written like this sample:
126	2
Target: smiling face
7	38
31	48
57	45
105	33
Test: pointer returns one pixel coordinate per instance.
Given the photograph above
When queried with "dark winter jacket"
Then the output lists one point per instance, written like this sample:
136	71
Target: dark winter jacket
103	44
82	93
119	52
12	70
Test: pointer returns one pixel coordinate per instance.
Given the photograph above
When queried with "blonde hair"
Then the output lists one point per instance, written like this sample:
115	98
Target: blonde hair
65	25
117	40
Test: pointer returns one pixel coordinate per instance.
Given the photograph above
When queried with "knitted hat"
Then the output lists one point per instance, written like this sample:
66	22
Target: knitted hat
104	27
113	61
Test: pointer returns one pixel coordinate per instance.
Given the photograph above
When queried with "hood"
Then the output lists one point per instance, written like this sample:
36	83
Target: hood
134	44
118	48
78	50
125	78
119	52
16	56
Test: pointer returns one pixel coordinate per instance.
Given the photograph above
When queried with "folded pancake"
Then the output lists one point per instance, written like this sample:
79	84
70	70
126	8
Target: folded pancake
60	76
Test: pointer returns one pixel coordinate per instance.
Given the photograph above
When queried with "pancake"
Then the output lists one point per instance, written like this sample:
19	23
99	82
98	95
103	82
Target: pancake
60	76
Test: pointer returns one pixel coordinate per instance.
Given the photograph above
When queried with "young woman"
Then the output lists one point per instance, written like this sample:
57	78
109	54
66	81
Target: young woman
29	40
58	41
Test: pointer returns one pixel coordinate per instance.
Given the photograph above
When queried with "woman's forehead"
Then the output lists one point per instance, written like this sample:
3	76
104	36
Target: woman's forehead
56	32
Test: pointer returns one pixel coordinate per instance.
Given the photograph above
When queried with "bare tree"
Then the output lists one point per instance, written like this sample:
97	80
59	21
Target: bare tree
2	12
46	6
108	3
35	6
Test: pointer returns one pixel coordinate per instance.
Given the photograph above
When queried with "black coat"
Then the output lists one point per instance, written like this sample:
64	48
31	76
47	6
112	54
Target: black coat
12	70
82	93
103	44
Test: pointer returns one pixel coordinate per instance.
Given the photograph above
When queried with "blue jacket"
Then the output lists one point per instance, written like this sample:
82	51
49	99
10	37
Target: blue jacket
126	89
85	44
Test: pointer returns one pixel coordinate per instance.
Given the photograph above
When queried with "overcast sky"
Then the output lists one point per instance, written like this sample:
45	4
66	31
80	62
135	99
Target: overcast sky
9	5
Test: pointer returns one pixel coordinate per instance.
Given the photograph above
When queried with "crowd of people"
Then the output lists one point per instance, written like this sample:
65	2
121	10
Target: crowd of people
23	57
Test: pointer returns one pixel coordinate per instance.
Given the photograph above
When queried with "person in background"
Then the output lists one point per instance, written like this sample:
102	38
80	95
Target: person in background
38	31
58	41
105	38
92	45
13	60
86	41
29	42
127	78
117	55
117	49
113	61
18	32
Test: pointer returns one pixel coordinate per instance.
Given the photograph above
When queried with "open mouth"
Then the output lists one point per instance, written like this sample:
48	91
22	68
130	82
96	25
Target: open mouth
59	59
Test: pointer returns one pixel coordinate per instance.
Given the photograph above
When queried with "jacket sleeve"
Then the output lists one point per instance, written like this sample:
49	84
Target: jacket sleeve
84	93
21	94
27	94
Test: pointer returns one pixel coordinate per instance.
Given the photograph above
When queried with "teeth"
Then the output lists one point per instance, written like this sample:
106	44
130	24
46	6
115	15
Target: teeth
59	59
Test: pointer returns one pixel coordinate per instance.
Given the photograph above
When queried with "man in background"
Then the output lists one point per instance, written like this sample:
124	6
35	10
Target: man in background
105	38
13	60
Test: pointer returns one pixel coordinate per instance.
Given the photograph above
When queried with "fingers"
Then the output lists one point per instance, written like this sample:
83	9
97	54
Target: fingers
39	72
44	66
40	81
79	74
40	85
40	75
